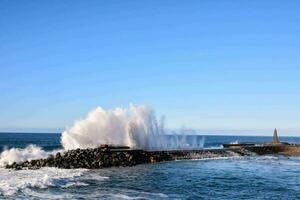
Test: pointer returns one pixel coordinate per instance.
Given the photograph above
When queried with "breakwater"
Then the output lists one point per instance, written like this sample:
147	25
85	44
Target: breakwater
97	158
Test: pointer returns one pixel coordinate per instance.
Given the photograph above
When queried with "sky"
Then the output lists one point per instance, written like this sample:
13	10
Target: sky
209	65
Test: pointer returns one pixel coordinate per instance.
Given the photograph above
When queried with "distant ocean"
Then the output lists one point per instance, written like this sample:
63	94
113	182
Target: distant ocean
266	177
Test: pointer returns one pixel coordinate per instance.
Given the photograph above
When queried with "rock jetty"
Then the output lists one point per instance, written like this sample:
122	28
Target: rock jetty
98	158
114	156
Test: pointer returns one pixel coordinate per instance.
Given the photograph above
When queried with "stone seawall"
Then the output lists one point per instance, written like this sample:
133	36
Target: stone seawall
97	158
289	150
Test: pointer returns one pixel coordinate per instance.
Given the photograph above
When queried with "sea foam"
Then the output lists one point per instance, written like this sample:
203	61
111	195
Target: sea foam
31	152
13	181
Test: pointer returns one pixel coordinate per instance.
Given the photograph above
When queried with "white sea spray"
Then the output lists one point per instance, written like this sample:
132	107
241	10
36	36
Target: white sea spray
136	127
31	152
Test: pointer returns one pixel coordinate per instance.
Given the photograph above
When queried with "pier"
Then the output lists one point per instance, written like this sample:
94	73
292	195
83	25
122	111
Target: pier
97	158
119	156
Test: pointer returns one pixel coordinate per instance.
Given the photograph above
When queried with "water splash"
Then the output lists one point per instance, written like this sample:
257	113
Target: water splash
31	152
136	127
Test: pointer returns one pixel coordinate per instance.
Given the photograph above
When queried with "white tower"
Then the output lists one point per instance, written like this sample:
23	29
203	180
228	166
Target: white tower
275	137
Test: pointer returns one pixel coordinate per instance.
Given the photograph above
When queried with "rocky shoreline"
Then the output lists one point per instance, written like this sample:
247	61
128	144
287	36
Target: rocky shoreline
97	158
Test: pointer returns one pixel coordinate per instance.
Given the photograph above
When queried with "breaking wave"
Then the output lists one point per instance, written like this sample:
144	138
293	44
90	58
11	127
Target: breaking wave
12	182
31	152
136	127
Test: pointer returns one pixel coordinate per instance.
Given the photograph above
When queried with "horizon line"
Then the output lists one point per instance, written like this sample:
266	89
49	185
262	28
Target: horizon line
200	134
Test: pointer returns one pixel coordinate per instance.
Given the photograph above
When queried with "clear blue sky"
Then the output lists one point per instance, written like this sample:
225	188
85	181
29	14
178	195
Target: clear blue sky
204	64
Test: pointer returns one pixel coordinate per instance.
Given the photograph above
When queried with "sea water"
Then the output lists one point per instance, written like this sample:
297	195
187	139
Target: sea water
265	177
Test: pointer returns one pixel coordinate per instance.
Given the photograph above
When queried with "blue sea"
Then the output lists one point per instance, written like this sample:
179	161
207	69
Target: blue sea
265	177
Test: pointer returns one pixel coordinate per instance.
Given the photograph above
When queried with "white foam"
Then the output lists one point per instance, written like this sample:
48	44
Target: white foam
214	147
13	181
31	152
71	184
123	196
119	193
235	142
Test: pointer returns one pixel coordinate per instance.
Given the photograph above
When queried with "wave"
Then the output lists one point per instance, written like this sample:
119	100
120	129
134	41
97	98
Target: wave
31	152
136	127
13	181
120	193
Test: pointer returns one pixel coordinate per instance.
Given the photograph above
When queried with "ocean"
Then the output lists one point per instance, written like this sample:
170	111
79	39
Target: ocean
264	177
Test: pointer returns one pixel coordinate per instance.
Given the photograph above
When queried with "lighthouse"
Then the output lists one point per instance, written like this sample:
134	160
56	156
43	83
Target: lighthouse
275	137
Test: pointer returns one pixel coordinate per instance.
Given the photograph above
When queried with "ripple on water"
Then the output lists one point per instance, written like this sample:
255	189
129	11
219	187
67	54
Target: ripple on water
265	177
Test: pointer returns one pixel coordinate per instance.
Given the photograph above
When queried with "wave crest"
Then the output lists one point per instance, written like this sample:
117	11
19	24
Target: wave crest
31	152
136	127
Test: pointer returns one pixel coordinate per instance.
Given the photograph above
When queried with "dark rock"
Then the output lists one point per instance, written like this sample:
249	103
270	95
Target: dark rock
96	159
